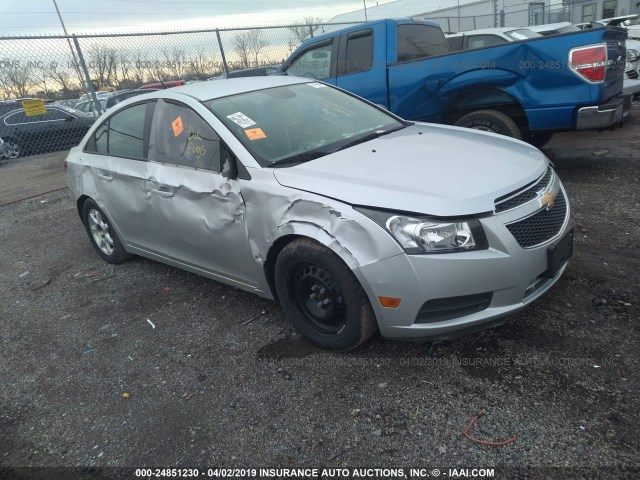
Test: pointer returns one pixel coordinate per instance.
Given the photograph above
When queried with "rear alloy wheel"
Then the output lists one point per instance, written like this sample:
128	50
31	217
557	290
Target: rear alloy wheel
491	121
322	297
102	236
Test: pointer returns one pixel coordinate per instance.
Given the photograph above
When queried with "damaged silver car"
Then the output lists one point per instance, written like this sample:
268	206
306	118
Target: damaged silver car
350	217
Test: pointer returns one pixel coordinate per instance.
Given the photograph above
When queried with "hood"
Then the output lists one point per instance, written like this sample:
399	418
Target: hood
429	169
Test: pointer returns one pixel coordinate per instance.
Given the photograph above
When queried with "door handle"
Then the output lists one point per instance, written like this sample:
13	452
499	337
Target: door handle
106	178
162	193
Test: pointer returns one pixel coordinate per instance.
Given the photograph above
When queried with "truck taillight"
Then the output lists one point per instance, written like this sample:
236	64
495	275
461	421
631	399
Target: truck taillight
589	62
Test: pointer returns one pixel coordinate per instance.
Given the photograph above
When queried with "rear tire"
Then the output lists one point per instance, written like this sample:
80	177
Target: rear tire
491	121
102	235
322	297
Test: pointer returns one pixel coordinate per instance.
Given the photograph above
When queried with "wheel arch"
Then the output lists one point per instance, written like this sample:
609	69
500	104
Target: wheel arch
80	203
295	230
486	99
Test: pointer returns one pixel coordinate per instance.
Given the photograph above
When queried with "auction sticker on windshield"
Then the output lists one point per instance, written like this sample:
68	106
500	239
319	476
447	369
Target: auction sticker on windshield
241	119
255	134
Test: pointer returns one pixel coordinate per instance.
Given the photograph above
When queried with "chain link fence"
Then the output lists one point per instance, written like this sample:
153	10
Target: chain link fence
54	87
78	77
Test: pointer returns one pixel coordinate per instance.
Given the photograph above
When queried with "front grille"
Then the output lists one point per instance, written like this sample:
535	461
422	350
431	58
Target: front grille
524	194
633	73
441	309
541	226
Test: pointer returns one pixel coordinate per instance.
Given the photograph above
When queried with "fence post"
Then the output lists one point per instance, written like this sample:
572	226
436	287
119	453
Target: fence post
89	83
224	59
311	30
502	18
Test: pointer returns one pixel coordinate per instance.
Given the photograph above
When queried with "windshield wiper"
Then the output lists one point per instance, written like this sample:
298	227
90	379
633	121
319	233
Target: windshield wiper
299	158
370	136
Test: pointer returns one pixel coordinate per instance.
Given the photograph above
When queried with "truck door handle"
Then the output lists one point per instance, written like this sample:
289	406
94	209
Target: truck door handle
162	193
106	178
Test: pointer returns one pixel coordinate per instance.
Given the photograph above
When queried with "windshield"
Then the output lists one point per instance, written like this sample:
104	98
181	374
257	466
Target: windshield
297	123
522	34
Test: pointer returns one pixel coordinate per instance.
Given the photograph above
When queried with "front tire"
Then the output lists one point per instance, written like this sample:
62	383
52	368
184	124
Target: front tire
102	235
491	121
539	140
322	297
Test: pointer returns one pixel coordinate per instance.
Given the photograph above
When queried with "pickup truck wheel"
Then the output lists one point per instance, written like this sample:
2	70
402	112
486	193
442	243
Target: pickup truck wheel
491	121
538	140
321	296
102	235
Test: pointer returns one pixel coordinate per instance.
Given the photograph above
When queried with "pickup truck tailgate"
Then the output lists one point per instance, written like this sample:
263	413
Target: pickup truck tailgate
616	54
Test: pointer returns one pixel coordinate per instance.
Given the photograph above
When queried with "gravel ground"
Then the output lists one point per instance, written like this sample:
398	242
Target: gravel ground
217	377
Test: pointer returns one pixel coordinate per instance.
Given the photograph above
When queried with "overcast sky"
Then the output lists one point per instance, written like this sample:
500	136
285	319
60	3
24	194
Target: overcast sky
97	16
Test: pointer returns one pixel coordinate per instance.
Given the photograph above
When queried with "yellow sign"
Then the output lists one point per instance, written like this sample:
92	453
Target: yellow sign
34	106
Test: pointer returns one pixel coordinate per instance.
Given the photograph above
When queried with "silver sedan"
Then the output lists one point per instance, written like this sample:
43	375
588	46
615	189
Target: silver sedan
350	217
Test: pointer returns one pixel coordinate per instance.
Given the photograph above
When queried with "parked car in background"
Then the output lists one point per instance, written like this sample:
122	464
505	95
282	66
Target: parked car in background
554	28
58	129
67	103
3	150
352	218
9	105
252	72
99	95
487	37
88	106
167	84
118	97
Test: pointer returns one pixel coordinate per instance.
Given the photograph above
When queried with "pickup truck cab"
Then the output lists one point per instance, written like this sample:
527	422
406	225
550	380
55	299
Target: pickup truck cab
527	89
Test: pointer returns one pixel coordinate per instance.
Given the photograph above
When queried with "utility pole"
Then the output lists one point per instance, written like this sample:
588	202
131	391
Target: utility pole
365	10
73	52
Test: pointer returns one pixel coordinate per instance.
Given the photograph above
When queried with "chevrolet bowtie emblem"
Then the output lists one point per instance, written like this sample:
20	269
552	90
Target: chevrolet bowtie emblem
547	200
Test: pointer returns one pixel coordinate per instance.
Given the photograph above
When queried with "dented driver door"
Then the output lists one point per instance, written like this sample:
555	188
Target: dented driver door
198	213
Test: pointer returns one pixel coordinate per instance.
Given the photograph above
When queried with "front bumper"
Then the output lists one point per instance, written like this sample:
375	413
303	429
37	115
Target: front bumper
512	275
601	116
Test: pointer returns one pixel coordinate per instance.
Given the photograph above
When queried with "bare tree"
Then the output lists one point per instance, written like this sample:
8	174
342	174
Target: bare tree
140	68
66	80
302	31
175	63
17	82
201	66
104	64
241	44
256	44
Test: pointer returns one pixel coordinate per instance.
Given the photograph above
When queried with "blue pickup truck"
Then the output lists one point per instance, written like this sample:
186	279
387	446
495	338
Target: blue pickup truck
526	89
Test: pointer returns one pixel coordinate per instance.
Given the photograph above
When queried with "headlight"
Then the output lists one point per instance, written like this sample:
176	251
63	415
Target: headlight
428	235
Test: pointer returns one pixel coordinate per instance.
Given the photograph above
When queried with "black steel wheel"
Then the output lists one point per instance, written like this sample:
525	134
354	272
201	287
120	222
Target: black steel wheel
322	297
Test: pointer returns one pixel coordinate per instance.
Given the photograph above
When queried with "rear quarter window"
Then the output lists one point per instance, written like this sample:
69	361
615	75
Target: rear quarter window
420	41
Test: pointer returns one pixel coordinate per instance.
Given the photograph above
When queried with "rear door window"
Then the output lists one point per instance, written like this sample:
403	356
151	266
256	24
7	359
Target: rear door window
359	54
122	134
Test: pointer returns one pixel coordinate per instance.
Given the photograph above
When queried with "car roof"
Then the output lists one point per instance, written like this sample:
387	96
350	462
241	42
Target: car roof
550	26
230	86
